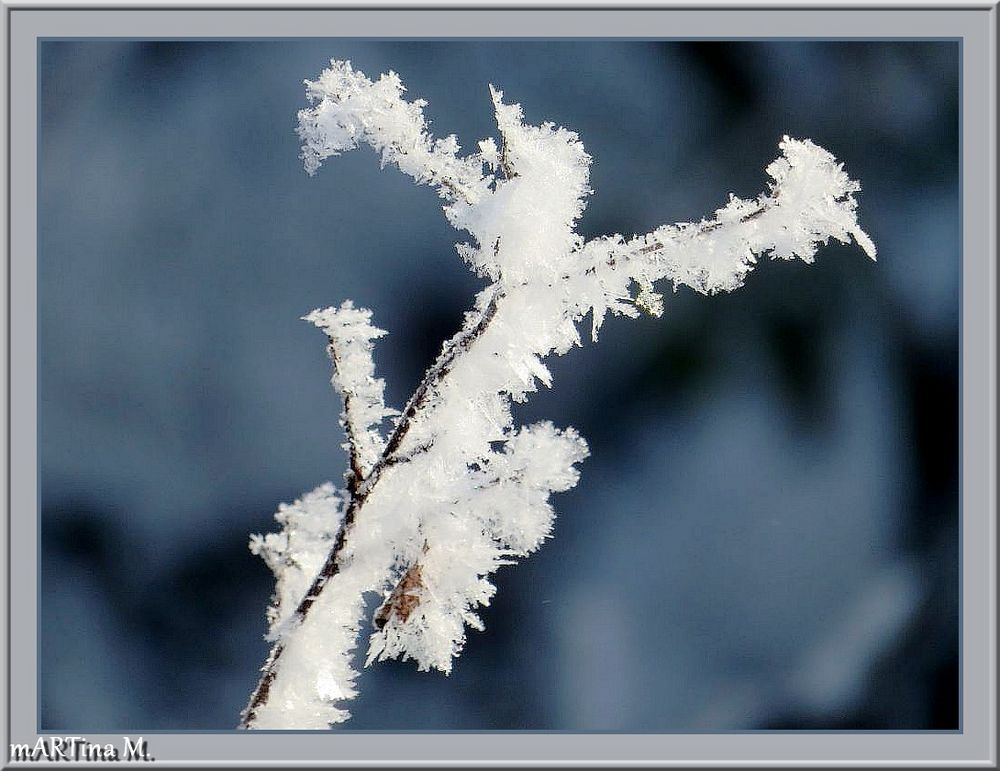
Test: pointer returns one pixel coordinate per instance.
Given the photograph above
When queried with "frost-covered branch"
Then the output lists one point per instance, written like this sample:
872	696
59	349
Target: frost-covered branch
348	109
349	330
457	489
810	200
350	335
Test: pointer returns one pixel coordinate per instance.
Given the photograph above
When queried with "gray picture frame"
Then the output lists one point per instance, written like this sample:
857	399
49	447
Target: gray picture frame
974	23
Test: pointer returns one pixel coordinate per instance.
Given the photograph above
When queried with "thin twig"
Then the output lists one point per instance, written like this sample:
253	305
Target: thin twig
356	475
760	210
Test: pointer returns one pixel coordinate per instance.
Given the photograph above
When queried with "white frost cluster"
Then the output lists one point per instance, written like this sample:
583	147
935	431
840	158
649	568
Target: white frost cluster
296	553
351	333
350	109
497	509
457	489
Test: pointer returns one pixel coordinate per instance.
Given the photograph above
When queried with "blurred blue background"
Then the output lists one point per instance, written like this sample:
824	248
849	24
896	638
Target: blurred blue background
766	532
